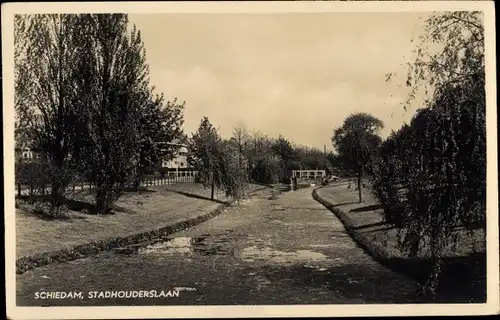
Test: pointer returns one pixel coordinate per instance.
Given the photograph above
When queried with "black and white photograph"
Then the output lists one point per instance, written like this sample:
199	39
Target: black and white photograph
302	158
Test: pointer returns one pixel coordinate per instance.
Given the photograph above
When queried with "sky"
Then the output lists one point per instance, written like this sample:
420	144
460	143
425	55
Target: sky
295	74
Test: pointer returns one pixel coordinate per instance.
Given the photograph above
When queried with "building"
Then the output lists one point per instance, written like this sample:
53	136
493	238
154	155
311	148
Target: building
179	161
24	152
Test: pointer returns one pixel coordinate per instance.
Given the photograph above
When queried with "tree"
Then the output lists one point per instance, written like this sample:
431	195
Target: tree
287	154
234	173
356	141
460	36
267	169
258	145
240	140
113	91
45	83
159	123
217	161
456	76
335	163
206	153
443	159
312	158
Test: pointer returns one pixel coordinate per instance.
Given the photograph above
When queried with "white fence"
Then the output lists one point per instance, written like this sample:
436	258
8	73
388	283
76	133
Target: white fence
149	181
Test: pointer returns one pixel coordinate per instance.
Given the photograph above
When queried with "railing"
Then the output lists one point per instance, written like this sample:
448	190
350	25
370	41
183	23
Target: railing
169	178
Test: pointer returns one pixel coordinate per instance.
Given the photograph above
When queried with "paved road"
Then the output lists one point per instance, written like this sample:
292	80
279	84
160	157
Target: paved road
289	250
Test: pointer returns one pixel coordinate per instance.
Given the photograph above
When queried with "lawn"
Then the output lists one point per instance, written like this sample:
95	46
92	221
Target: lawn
135	212
464	270
366	220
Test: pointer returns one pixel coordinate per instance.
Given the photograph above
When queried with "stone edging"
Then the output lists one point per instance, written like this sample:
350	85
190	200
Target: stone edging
376	251
26	263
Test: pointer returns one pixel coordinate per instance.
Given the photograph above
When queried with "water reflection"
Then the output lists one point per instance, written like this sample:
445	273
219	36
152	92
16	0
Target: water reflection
232	246
277	256
203	245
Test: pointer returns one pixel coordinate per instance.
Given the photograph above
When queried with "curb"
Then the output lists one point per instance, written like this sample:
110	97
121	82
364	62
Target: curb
375	251
26	263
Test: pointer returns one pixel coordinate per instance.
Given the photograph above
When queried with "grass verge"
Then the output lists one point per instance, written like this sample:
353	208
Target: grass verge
124	233
464	276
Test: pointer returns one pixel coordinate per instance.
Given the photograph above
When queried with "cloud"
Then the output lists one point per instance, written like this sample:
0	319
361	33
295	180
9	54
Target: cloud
295	74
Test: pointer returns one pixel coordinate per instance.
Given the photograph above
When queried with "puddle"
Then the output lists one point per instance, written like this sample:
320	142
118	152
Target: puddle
229	245
269	254
204	245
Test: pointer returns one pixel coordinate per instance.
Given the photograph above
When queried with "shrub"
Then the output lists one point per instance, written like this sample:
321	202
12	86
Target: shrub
267	170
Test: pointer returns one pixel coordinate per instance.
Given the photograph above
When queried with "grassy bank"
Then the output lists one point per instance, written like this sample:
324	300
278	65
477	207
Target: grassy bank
464	274
138	216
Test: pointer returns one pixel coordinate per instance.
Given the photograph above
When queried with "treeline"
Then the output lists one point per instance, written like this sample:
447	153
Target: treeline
430	175
84	101
230	163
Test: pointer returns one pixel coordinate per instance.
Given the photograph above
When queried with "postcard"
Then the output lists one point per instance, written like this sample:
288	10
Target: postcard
250	159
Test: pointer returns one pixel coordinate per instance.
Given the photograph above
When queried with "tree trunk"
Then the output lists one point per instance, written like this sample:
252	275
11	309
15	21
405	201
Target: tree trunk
56	197
212	192
359	184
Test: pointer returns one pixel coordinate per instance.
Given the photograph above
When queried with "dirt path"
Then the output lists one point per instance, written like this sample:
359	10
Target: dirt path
290	250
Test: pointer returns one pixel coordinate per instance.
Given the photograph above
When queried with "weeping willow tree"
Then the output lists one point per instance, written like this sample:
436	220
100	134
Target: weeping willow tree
217	161
441	157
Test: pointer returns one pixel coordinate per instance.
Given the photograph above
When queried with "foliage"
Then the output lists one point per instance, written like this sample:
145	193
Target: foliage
267	170
84	100
459	35
239	144
314	159
205	152
45	81
234	173
356	141
439	160
34	174
286	152
159	123
111	85
217	163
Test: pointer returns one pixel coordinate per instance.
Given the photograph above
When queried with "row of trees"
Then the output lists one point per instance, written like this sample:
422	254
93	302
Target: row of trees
231	163
430	175
84	101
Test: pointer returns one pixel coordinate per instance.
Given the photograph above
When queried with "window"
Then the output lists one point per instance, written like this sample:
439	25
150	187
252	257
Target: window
182	164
